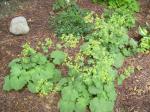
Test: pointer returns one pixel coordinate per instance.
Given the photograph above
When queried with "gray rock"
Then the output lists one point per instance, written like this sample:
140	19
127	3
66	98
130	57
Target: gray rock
19	26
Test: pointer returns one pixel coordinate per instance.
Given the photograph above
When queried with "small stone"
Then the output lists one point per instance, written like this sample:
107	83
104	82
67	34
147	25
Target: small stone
19	26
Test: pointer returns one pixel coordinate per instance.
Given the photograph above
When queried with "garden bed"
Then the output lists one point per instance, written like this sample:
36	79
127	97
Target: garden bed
133	95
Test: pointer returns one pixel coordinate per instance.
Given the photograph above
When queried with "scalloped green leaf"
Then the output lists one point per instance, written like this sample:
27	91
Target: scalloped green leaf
58	56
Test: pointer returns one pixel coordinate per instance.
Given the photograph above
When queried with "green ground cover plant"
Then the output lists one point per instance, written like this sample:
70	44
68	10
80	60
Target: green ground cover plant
69	41
96	75
33	70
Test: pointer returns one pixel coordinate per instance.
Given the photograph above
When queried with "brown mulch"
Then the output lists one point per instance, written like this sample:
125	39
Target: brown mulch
133	95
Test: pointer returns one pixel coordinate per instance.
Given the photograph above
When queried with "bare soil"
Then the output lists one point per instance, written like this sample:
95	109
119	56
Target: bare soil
133	95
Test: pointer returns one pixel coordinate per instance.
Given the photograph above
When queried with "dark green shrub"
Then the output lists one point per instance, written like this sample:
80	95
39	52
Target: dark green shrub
71	21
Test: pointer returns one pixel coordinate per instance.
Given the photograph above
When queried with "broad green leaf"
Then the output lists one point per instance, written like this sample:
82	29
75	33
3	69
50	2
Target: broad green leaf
98	84
39	58
14	62
17	83
32	88
58	57
95	105
101	105
36	78
93	90
79	86
25	60
66	106
26	75
62	82
42	59
45	74
7	85
49	66
118	60
110	90
16	70
106	106
81	105
56	76
35	58
69	93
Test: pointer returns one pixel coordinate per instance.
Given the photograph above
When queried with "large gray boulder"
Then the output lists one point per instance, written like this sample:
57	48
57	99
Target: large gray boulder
19	26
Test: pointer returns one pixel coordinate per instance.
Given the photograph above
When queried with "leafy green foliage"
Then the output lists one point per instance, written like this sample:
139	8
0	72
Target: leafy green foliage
46	45
69	41
121	17
145	41
118	60
32	70
121	11
127	72
96	75
58	57
131	5
115	41
102	105
71	21
74	98
62	4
